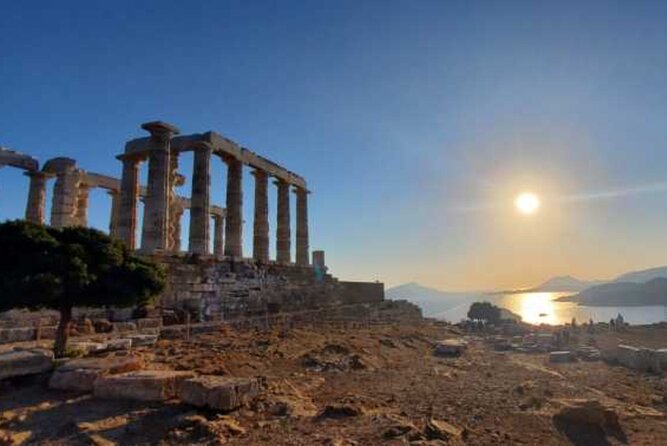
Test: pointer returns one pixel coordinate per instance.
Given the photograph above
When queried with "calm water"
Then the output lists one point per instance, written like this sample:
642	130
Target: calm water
541	308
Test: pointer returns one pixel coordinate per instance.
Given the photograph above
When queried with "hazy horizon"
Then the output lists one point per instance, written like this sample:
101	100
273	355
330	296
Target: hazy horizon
416	125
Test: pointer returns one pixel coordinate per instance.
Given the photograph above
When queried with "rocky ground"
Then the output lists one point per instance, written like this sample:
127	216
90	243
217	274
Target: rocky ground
380	385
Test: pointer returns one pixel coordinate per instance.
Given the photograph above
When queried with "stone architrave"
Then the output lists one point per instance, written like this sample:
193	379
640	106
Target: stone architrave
34	211
283	236
261	223
234	223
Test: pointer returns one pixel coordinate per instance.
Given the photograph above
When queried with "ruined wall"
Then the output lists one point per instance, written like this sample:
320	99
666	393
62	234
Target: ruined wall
223	290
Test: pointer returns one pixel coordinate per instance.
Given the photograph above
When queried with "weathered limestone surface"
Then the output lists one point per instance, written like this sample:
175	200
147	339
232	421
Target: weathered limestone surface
127	219
18	334
234	223
156	211
80	374
283	231
562	357
36	197
302	243
200	201
261	223
146	385
65	199
218	392
25	362
218	235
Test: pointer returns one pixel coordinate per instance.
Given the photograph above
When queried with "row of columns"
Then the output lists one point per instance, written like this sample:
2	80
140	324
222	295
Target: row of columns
157	206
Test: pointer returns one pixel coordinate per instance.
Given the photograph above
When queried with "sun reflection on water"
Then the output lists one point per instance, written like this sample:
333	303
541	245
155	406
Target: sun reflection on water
534	308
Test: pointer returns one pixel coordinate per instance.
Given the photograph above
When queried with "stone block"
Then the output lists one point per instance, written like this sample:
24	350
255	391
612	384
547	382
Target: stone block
46	332
119	344
21	334
147	385
87	347
149	323
562	357
173	332
218	392
122	327
661	357
25	362
80	374
141	340
633	357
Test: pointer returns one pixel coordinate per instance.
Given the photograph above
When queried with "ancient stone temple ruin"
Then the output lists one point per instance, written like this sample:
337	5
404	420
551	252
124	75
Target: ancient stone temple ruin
211	281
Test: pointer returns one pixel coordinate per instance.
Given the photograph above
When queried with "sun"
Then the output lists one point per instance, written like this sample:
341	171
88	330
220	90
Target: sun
527	203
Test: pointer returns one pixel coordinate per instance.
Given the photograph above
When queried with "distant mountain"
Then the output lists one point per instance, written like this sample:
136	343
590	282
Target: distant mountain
566	283
653	292
643	276
432	301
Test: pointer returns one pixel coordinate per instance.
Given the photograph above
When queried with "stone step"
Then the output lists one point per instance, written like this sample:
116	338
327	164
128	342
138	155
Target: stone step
81	374
146	385
218	392
25	362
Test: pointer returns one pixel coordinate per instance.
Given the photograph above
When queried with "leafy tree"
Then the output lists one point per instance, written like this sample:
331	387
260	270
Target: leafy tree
484	311
43	267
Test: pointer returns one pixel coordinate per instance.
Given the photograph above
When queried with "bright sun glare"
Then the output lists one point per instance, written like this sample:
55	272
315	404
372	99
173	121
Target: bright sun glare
527	203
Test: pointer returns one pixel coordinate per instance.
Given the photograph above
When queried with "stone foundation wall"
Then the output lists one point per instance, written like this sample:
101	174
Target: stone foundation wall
215	290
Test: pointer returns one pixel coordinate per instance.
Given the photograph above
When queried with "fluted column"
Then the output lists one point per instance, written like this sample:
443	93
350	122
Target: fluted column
129	197
156	212
218	228
200	201
176	228
260	241
283	236
34	211
302	243
65	197
234	224
81	214
115	212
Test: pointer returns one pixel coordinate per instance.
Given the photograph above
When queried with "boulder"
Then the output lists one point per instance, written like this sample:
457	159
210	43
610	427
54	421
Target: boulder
8	335
450	347
25	362
147	385
562	357
80	374
588	420
102	326
218	392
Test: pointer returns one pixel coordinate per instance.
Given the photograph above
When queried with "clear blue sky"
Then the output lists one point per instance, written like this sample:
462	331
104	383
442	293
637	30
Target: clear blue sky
399	114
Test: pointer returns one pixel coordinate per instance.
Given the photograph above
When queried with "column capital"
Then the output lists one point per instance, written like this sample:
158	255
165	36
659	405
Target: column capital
160	128
300	190
36	174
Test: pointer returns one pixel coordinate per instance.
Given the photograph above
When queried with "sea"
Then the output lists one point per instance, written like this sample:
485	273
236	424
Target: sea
544	308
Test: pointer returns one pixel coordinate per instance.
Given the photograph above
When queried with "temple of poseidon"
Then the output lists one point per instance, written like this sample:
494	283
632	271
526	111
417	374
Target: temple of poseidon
215	284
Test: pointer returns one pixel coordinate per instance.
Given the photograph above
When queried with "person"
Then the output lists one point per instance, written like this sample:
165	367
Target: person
612	324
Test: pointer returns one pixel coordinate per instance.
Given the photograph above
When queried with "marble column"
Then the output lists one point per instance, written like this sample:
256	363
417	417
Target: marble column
260	241
200	207
218	228
115	212
129	197
65	197
283	236
156	211
176	228
302	244
81	214
234	223
34	211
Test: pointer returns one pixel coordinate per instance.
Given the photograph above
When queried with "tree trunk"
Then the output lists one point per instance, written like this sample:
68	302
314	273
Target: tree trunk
62	333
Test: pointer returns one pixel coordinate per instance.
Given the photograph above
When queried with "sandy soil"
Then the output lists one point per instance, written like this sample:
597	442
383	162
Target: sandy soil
362	386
